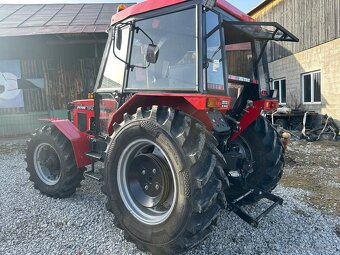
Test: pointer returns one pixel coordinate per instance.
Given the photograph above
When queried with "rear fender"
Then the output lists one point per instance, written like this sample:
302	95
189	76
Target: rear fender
79	140
251	113
193	104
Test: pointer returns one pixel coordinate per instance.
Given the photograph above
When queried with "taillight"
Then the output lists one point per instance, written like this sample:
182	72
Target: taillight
270	105
215	102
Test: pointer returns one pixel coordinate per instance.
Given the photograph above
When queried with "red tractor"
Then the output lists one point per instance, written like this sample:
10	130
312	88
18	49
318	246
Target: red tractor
178	120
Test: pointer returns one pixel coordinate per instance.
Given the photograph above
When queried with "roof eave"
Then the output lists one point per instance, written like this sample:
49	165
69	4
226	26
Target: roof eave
260	6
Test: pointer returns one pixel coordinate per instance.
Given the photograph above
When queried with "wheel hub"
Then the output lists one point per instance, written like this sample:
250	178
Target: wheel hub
47	164
149	180
146	181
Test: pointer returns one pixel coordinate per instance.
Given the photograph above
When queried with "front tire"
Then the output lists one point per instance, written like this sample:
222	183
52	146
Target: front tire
180	213
51	164
261	144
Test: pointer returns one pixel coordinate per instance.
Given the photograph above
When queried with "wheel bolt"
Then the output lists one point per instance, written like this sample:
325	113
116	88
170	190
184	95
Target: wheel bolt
143	172
146	187
157	187
154	170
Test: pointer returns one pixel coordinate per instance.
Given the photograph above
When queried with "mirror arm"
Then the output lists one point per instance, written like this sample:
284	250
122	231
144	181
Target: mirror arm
139	29
133	66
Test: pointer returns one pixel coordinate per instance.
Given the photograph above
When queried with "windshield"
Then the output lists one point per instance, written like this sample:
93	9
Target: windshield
175	36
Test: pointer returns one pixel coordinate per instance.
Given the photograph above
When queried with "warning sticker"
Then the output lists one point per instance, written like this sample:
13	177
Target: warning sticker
216	65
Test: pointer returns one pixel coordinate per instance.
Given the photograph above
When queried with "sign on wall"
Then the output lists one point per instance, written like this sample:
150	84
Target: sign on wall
10	94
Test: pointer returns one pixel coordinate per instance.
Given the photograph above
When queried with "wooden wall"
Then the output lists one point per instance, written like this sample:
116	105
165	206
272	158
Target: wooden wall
313	21
69	79
68	71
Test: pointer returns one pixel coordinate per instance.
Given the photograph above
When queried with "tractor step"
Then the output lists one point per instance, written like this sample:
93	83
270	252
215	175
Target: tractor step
254	221
95	156
93	175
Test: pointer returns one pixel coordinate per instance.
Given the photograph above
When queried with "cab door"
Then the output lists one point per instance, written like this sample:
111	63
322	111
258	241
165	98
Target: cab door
111	78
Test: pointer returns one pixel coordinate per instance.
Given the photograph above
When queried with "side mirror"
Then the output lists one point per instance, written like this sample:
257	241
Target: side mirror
152	53
118	37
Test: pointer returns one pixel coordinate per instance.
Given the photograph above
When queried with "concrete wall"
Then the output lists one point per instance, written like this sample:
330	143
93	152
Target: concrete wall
18	124
326	58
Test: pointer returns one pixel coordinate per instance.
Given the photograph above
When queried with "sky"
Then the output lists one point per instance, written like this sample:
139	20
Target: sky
243	5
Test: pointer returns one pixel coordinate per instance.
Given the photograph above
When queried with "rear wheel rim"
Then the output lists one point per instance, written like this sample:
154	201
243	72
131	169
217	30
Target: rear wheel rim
47	164
243	147
146	182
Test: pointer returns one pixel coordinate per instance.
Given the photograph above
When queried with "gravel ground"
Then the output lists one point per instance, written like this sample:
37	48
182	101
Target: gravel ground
31	223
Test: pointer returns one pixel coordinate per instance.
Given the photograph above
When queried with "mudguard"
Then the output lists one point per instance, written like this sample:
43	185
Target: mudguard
80	141
251	113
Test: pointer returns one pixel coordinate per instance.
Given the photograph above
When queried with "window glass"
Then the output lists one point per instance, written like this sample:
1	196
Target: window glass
277	87
240	59
214	62
113	76
311	85
280	87
107	106
245	57
211	21
175	36
283	92
307	92
317	87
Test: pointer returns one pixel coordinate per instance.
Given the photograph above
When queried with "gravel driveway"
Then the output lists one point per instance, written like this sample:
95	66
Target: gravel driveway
31	223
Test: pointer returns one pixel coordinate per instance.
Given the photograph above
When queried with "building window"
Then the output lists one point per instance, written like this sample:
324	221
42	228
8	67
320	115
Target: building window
311	87
280	86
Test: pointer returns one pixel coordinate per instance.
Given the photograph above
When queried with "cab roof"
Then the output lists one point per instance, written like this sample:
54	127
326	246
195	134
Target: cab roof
150	5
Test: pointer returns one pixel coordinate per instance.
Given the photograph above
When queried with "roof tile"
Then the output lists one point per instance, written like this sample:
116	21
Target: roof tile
31	19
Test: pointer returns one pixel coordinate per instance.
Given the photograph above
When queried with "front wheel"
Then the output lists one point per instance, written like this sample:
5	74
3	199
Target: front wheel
261	145
51	164
163	180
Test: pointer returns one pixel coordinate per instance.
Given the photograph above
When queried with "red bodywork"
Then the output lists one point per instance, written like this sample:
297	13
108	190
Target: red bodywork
252	112
84	106
79	140
151	5
192	104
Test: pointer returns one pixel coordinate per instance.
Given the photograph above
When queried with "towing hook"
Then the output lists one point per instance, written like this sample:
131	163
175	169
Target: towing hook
285	139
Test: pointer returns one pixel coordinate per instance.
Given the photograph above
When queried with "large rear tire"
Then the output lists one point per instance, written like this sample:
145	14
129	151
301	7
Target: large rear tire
51	164
261	144
163	180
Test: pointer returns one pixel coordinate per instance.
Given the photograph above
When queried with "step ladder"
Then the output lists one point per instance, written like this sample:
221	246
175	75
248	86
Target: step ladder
95	157
235	206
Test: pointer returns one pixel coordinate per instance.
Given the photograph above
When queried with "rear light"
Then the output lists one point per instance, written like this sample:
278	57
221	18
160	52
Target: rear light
270	105
215	102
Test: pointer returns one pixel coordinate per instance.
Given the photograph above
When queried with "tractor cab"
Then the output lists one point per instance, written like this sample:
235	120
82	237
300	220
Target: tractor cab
187	48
